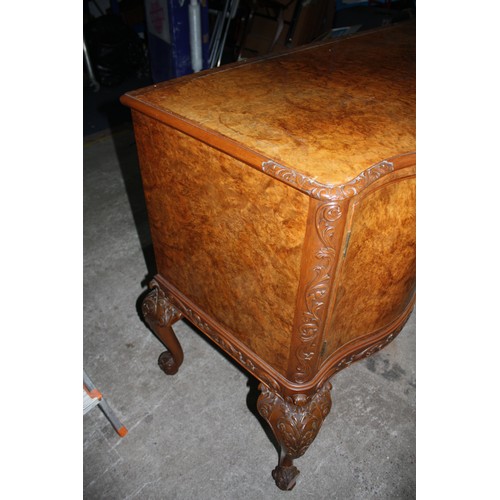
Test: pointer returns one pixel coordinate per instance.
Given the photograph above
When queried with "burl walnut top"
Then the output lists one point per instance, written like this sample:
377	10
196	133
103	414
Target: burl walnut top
328	111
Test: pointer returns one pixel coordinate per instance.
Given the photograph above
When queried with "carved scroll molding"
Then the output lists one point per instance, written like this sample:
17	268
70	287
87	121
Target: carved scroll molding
295	425
327	192
318	278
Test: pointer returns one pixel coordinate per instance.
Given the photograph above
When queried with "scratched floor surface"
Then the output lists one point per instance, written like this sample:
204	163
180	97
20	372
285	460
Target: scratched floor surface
196	435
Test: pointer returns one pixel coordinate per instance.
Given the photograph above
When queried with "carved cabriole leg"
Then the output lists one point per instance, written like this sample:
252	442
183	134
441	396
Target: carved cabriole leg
160	314
295	424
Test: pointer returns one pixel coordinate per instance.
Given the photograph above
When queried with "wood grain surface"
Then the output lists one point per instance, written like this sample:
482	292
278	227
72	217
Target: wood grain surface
228	237
377	277
328	111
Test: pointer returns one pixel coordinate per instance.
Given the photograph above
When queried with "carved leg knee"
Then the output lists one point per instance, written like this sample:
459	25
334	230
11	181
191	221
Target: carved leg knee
160	314
295	424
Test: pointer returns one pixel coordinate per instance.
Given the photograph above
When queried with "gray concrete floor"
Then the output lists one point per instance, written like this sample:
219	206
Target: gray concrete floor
196	435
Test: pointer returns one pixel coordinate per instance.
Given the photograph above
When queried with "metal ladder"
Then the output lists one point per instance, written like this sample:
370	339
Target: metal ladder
92	397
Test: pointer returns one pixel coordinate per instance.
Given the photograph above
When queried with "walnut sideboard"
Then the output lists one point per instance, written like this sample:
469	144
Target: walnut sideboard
281	201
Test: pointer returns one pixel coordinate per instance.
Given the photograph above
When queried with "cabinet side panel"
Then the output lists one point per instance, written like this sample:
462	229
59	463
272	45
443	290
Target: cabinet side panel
227	236
377	278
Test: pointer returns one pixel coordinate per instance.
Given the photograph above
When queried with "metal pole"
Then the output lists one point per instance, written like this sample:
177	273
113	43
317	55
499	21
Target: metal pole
94	84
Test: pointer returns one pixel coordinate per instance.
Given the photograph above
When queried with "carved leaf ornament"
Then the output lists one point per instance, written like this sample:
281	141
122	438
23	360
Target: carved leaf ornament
157	308
327	192
295	425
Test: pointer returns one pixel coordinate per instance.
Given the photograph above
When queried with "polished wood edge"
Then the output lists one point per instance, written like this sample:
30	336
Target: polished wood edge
207	136
404	160
406	169
258	161
320	255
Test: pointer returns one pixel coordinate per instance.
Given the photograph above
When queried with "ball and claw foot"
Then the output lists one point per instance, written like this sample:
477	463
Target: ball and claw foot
285	477
167	363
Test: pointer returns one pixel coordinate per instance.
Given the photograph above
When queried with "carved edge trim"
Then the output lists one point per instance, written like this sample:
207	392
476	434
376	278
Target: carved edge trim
361	348
314	301
327	192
